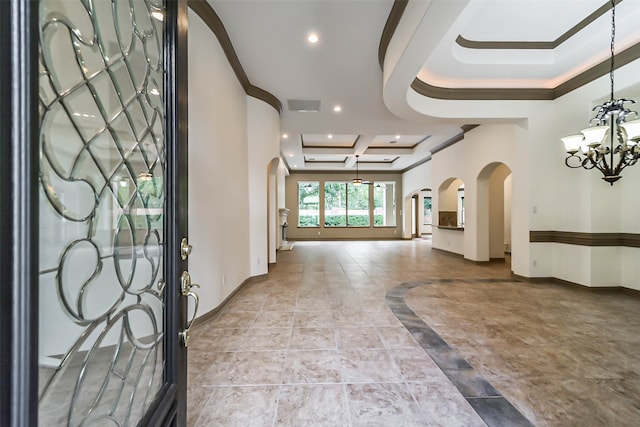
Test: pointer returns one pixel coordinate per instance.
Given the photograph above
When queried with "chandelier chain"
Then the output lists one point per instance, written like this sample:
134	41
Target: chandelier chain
613	38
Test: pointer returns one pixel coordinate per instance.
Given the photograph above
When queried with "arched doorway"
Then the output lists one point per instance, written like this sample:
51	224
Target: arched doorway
451	208
272	209
415	227
494	212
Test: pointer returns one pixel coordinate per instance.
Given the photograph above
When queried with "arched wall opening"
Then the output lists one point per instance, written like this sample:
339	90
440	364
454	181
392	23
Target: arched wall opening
426	214
451	203
448	216
493	211
273	235
411	215
415	227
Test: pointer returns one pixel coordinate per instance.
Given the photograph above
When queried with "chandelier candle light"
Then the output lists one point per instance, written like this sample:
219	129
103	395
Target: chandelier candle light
610	143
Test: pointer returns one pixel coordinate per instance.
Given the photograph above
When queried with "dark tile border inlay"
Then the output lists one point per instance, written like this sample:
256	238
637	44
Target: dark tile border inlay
492	407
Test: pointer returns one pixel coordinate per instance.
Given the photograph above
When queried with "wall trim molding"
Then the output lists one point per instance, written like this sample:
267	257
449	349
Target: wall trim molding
446	252
527	94
578	286
502	94
546	45
204	318
343	239
204	10
397	10
630	240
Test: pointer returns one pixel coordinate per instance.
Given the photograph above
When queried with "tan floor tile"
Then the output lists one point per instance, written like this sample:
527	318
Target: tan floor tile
358	338
444	405
312	338
560	355
312	405
240	406
312	366
383	405
368	366
313	319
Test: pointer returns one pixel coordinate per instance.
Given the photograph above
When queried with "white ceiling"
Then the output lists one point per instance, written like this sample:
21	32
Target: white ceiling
269	37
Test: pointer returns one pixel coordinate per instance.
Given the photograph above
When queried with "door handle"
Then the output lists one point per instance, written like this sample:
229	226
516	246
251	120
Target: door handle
186	290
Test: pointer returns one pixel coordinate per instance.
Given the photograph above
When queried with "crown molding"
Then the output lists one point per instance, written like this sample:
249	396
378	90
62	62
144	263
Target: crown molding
527	94
390	28
544	45
510	94
204	10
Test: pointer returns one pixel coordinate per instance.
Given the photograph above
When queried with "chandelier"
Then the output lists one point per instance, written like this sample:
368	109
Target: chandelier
610	143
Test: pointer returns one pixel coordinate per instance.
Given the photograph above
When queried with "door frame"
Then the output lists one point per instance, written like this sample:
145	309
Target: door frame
19	125
19	170
171	406
415	216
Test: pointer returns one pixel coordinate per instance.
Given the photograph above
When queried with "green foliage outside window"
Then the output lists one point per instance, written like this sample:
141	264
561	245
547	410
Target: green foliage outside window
345	205
427	218
308	204
335	204
357	205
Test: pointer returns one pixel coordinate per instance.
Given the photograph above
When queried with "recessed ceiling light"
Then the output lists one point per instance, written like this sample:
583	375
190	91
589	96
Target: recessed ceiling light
329	136
290	155
285	136
397	136
337	108
312	38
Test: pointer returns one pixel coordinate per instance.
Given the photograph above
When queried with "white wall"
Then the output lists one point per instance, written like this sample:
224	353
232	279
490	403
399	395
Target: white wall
507	214
546	195
580	201
485	145
413	181
264	145
218	175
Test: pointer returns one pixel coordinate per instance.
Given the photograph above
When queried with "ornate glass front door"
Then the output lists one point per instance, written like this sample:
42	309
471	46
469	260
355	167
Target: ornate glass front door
103	247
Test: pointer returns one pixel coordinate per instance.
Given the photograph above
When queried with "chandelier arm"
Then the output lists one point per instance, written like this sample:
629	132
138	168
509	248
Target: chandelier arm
601	162
626	159
588	163
632	156
572	156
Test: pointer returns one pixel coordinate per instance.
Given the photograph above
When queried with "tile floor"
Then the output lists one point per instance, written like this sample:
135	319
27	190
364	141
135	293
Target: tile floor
328	339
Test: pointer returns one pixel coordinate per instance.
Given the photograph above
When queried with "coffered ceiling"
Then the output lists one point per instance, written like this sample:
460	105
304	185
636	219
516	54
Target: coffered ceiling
519	48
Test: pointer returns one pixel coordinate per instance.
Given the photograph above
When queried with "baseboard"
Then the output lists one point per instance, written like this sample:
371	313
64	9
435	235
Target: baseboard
446	252
578	286
344	239
215	311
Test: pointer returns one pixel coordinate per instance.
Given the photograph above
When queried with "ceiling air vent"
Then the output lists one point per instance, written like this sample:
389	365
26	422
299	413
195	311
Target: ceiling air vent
304	105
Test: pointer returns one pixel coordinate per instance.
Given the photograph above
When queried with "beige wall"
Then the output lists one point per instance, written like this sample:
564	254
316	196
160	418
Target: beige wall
321	233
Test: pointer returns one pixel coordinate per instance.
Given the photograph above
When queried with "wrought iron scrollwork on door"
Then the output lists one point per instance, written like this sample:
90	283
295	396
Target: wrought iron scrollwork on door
102	163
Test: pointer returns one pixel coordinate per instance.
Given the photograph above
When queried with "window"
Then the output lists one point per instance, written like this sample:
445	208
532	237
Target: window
428	214
357	205
346	205
384	204
308	204
335	204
